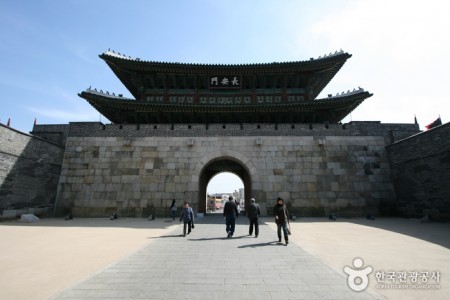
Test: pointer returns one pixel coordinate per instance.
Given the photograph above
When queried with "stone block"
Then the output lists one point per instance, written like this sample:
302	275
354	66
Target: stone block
28	218
9	213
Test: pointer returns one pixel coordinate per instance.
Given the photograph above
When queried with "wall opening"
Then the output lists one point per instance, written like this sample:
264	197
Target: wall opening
220	187
223	165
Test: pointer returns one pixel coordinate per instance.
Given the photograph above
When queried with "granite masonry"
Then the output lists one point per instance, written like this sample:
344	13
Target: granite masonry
30	167
353	169
135	170
421	173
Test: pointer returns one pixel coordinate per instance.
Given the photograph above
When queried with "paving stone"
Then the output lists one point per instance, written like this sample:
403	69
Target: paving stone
207	265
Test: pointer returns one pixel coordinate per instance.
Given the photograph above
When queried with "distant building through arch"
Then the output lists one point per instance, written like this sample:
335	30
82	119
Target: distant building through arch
216	166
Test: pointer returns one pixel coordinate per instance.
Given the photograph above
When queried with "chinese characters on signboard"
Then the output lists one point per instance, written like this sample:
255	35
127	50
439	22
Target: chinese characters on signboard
225	82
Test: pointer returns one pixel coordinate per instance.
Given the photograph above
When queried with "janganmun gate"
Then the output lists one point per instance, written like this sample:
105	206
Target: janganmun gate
190	122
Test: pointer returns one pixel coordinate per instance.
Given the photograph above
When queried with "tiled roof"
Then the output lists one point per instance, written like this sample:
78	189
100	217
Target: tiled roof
288	94
131	71
118	60
123	110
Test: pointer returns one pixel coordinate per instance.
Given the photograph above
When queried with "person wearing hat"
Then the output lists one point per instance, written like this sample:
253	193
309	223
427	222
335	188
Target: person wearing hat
230	213
281	219
253	213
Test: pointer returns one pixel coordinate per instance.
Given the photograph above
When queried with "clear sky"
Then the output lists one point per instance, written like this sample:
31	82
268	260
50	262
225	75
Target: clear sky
225	182
49	49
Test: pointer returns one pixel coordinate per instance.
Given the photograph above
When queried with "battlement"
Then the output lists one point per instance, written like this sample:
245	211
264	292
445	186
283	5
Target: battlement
392	132
56	133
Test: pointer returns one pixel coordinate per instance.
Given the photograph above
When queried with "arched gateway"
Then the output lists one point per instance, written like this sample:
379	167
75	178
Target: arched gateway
262	122
224	161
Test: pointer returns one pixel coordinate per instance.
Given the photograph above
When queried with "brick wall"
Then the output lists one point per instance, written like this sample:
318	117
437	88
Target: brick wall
29	170
390	132
421	173
56	133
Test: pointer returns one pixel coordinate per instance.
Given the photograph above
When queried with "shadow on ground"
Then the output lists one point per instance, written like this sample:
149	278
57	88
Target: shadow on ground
137	223
433	232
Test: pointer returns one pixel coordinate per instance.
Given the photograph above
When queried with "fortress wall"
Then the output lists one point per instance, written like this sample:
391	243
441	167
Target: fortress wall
391	132
135	170
318	168
421	173
56	133
29	172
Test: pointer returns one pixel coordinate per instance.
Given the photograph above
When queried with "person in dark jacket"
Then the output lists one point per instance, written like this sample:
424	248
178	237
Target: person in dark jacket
187	215
173	209
253	213
281	219
230	213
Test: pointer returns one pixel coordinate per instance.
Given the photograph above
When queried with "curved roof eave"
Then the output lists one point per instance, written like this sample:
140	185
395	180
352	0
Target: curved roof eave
138	65
102	102
125	67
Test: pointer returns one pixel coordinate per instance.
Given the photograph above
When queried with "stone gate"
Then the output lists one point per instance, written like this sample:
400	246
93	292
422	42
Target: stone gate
188	122
136	171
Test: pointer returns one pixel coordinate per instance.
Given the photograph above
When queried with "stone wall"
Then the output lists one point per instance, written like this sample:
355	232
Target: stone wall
390	132
56	133
421	173
136	170
29	171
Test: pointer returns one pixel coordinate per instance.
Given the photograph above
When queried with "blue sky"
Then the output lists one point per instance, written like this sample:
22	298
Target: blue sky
49	49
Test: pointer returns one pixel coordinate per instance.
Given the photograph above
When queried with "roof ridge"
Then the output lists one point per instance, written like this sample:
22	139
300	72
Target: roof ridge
106	93
119	55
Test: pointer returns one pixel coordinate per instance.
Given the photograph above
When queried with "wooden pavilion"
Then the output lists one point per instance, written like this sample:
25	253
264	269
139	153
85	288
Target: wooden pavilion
278	92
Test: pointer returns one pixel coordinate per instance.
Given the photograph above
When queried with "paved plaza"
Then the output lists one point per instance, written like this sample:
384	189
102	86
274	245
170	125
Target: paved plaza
141	259
208	265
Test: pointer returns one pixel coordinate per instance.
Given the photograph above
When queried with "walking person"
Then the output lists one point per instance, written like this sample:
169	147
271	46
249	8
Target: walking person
230	213
253	213
173	209
187	215
281	219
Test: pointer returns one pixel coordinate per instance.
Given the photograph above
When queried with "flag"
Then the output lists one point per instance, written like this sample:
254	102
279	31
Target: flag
437	122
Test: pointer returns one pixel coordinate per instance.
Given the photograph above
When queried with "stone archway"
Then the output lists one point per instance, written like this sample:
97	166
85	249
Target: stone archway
219	165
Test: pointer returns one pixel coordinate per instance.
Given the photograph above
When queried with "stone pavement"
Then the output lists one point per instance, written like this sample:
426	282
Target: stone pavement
208	265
